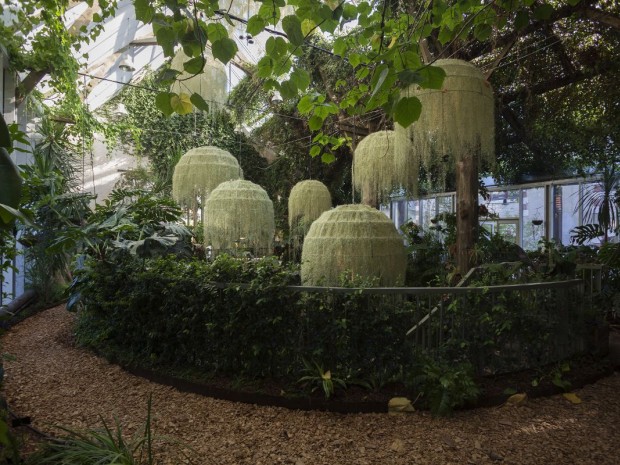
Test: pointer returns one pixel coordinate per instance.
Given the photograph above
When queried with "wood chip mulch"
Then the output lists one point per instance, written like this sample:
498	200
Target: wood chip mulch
55	383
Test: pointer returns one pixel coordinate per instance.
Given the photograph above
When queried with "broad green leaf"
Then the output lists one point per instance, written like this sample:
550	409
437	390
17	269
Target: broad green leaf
292	27
144	10
355	59
315	150
255	25
407	111
340	46
199	102
215	32
445	35
482	32
264	67
378	79
315	123
432	77
327	158
276	47
224	49
306	104
195	65
166	37
288	90
301	78
409	76
522	19
349	11
181	103
543	12
162	102
573	2
361	73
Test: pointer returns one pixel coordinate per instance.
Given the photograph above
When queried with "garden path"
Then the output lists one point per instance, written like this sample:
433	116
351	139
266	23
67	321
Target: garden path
55	383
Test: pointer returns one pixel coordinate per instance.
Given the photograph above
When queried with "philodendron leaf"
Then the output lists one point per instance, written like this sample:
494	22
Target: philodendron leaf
181	103
292	27
407	111
195	65
199	102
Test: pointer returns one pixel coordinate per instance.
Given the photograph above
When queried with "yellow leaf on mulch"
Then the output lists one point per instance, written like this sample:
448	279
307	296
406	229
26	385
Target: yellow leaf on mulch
572	397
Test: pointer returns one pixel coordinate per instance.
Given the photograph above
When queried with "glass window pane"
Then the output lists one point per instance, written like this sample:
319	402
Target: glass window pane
428	212
399	213
533	221
505	204
413	211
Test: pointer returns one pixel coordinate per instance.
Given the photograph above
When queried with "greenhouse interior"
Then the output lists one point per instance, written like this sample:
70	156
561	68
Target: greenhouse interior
309	231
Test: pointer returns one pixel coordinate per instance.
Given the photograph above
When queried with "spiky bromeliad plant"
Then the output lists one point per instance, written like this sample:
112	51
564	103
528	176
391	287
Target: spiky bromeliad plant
307	200
199	172
374	173
355	239
239	215
456	121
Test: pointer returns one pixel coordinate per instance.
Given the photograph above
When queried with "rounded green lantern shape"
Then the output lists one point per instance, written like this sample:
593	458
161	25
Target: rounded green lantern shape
200	171
239	216
355	239
10	187
307	200
374	173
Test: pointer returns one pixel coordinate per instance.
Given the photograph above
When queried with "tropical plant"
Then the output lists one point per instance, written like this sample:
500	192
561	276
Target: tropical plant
318	378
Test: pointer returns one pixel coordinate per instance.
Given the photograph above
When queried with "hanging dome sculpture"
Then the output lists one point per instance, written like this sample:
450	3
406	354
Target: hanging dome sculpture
357	239
307	200
210	84
456	121
239	214
374	174
199	172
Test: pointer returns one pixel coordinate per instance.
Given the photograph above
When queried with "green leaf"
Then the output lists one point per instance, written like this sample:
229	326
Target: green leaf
522	19
301	78
306	104
264	67
195	65
380	80
482	32
288	90
407	111
315	150
166	37
215	32
573	2
315	123
340	46
292	27
255	25
432	77
276	47
181	103
199	102
162	102
224	49
355	59
409	76
543	12
144	10
328	157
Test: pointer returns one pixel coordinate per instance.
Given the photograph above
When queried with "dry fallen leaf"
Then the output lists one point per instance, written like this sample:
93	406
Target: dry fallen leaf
517	399
400	404
572	397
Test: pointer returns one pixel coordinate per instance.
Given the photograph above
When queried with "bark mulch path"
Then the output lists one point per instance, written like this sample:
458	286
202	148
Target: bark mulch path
55	383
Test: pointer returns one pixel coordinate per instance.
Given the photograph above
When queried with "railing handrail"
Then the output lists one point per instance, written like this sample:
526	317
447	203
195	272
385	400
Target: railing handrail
422	290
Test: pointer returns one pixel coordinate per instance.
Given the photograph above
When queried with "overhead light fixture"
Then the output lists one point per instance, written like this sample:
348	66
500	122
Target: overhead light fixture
276	97
126	64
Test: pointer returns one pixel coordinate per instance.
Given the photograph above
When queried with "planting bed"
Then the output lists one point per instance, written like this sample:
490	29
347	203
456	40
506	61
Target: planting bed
53	382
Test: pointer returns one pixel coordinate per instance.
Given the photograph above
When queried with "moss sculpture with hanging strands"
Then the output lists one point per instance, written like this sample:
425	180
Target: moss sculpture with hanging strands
239	215
199	172
456	121
210	84
307	200
374	173
356	239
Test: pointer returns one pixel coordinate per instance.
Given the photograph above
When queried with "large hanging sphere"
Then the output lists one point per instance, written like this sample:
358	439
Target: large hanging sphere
456	121
374	173
200	171
307	200
239	215
355	239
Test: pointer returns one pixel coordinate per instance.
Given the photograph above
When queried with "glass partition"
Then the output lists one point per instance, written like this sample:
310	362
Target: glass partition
533	217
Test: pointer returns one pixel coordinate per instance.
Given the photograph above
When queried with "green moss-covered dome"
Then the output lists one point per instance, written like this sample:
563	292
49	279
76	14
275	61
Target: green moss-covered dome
456	121
239	214
353	238
307	200
374	173
200	171
210	84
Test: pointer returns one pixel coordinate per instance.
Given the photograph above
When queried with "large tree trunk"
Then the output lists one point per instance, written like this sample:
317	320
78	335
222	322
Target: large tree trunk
466	211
